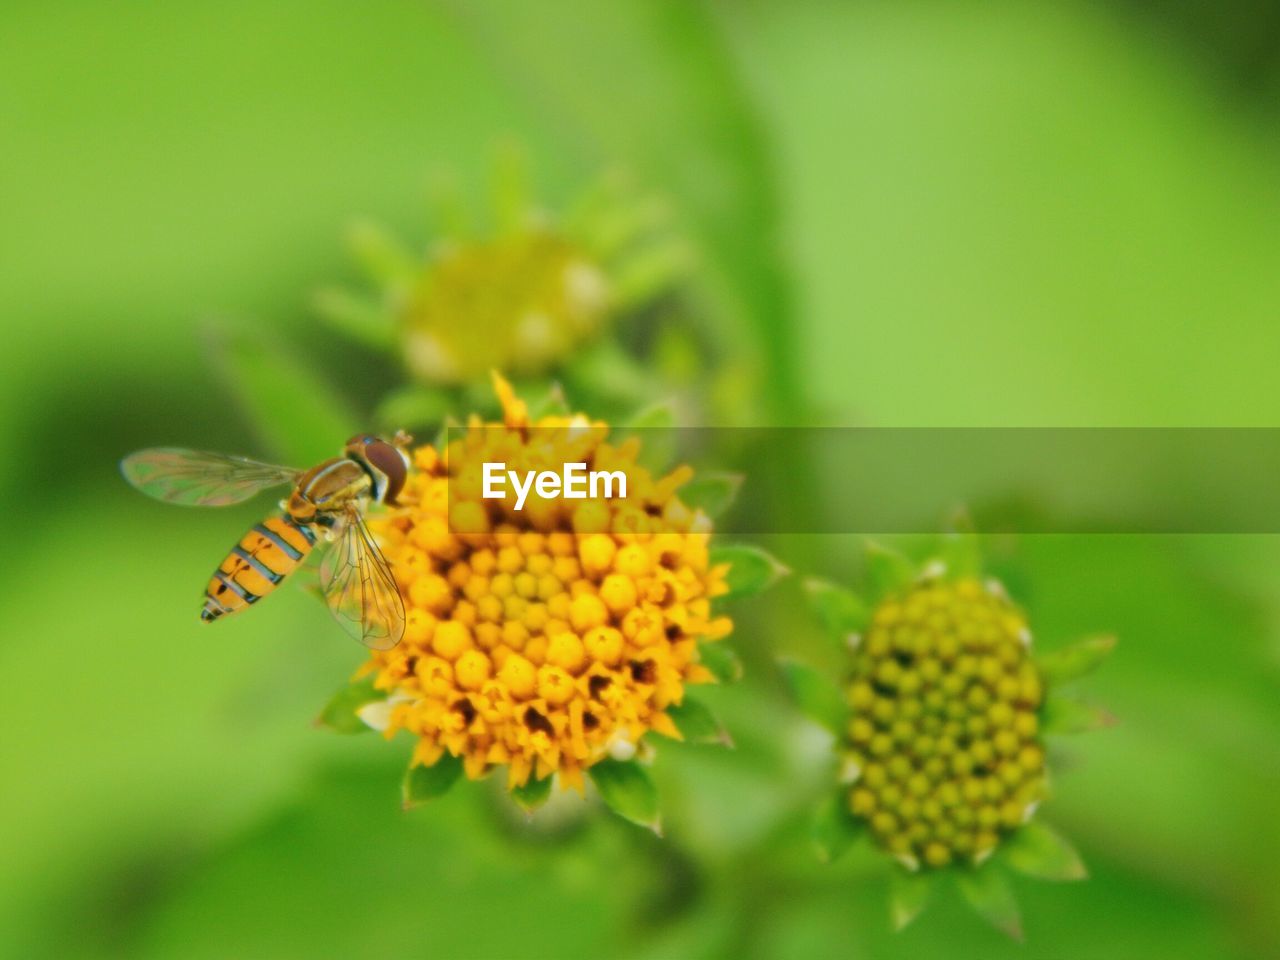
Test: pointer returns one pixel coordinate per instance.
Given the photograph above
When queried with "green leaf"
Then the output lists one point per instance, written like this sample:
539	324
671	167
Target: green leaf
987	890
533	794
887	570
413	407
1076	660
712	493
697	724
427	783
359	318
833	830
722	660
1040	851
296	414
841	611
751	569
626	789
339	714
908	896
1062	715
816	694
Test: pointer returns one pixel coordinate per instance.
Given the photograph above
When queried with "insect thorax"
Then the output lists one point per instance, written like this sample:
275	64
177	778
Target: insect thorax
328	489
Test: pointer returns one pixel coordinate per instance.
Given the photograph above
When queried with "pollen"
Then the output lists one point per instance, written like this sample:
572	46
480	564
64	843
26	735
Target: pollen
943	730
530	644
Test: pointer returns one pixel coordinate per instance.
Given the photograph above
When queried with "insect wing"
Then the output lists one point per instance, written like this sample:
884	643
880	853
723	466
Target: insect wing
360	588
195	478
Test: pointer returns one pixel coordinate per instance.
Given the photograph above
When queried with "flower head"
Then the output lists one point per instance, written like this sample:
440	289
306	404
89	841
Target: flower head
550	638
944	725
941	717
521	301
523	295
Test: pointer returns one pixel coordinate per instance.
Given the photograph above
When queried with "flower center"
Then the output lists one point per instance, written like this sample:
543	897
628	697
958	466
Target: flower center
518	304
944	726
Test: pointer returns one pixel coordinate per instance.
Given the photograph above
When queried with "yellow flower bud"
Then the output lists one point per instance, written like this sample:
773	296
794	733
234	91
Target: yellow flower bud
519	675
596	553
472	670
451	639
587	611
604	645
618	592
565	650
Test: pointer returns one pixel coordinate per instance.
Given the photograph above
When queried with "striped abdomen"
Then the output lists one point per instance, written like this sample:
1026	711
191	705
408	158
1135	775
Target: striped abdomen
268	553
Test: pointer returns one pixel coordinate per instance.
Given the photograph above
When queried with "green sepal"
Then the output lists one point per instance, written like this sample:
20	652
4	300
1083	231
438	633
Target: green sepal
509	188
722	660
604	369
448	214
533	793
654	426
1076	660
412	407
627	790
450	429
383	256
833	829
1063	715
1040	851
657	416
908	895
552	403
428	783
816	694
339	714
887	570
645	273
961	554
987	890
751	569
299	418
842	612
712	493
359	318
697	724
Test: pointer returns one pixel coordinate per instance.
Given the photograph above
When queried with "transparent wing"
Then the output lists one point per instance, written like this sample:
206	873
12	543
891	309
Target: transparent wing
359	586
195	478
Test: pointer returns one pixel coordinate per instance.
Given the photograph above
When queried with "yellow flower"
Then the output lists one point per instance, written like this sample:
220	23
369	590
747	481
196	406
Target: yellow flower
944	726
549	638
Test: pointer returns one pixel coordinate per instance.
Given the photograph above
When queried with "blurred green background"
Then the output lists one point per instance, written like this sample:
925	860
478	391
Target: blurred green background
925	213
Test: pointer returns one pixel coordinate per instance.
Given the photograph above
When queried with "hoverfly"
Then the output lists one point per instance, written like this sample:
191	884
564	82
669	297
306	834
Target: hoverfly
327	502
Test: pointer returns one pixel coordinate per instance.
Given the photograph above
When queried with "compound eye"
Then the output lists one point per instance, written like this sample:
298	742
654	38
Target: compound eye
391	462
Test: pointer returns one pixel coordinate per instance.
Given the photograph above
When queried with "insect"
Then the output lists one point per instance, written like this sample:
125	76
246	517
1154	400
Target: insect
327	503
